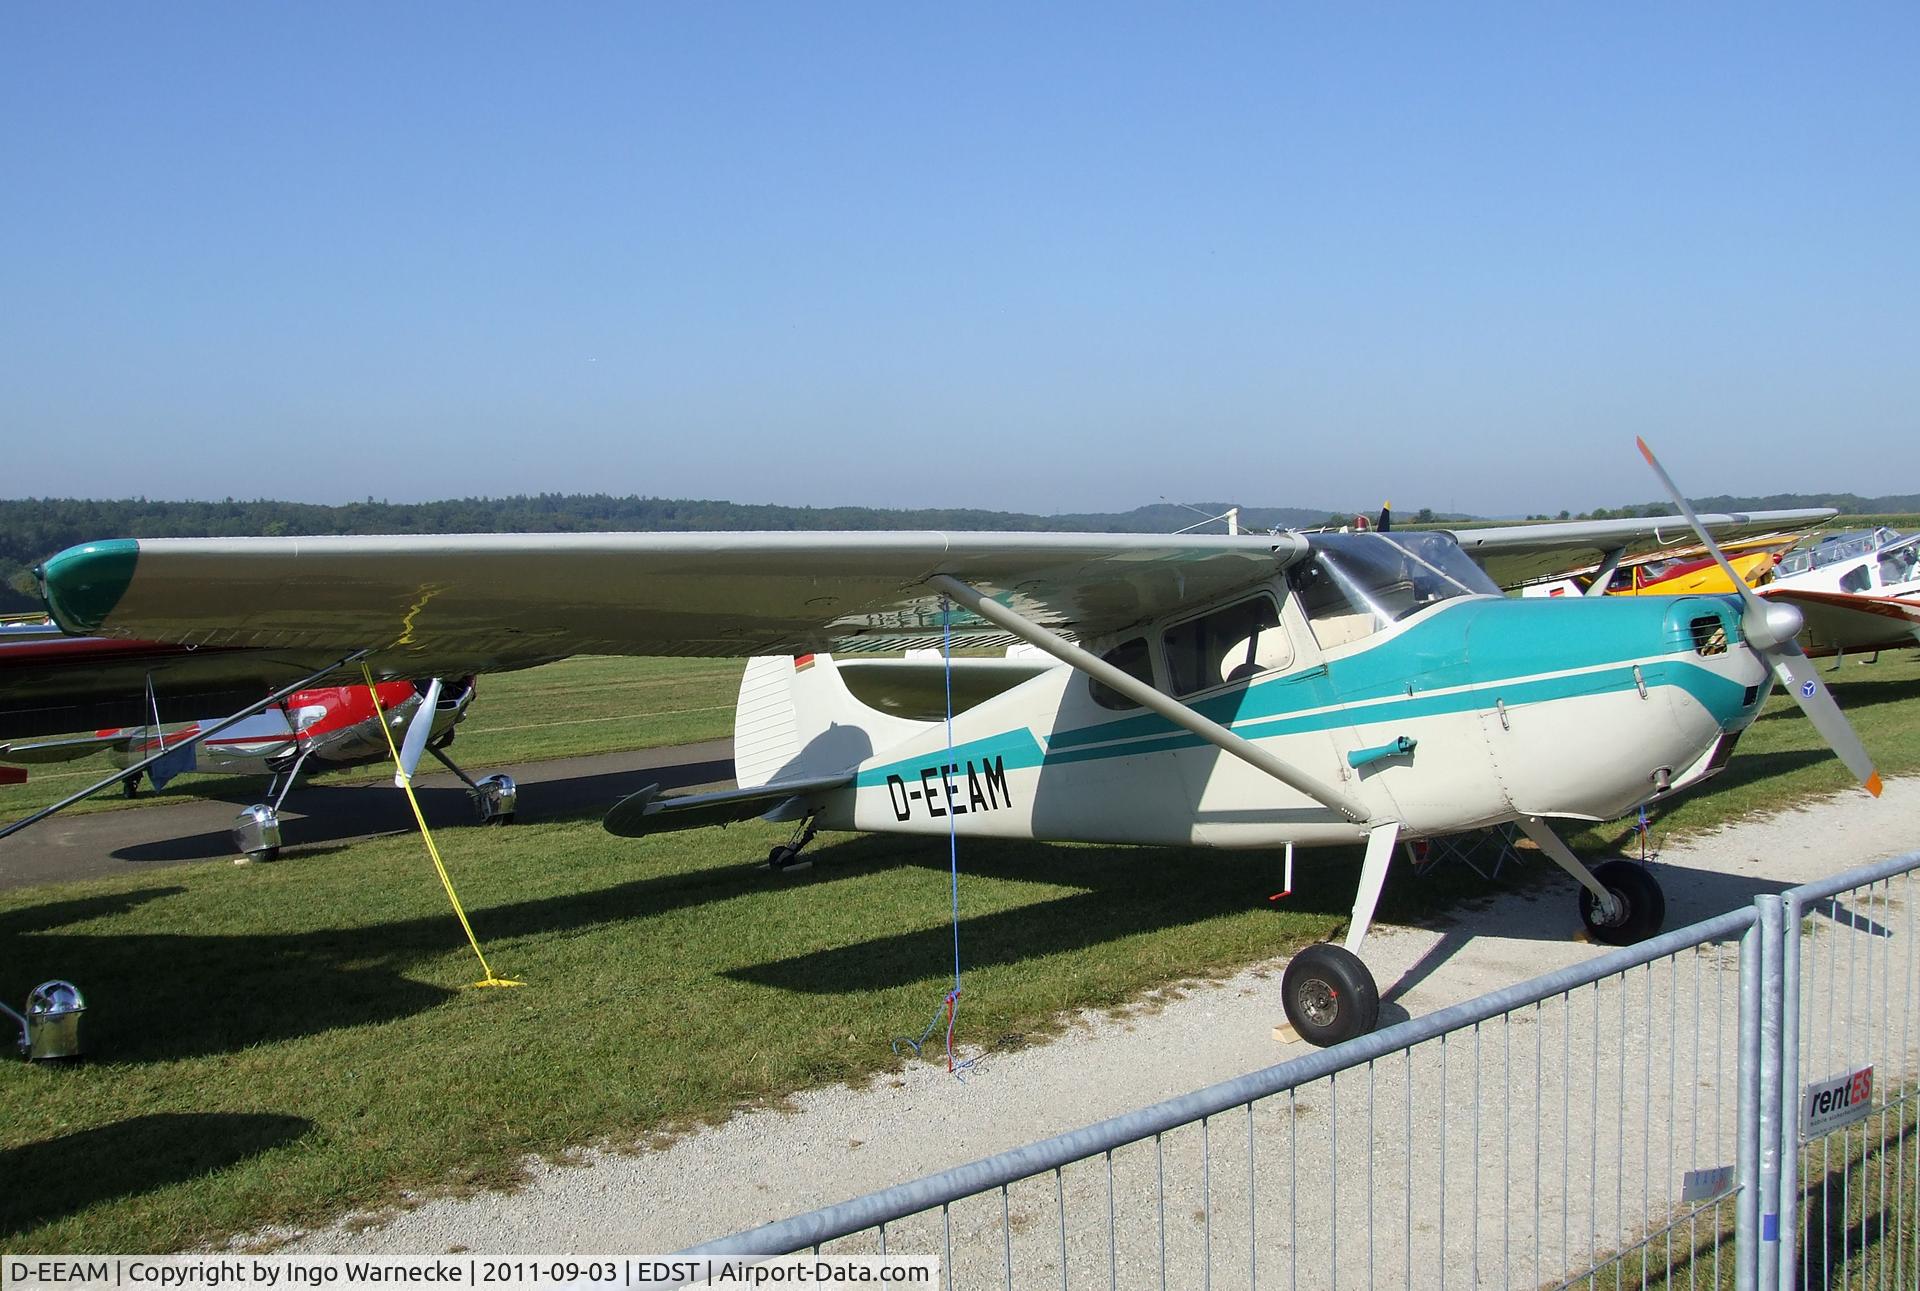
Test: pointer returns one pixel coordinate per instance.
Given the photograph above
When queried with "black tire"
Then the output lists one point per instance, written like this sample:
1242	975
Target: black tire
1329	995
1645	904
778	858
258	858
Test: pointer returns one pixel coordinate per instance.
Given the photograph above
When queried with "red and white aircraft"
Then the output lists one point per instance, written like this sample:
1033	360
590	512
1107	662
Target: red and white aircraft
325	726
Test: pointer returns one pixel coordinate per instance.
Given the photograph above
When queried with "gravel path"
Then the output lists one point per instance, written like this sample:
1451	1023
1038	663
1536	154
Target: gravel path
1595	1103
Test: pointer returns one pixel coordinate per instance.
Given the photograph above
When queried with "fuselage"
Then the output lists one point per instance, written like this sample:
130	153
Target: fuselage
1571	708
335	725
1892	569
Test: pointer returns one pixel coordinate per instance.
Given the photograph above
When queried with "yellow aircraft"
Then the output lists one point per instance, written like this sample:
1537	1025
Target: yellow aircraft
1676	572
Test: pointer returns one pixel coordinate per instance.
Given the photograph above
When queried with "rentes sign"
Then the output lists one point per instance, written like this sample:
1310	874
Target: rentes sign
1830	1104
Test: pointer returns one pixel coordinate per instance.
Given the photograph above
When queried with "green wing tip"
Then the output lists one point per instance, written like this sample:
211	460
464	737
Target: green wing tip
83	584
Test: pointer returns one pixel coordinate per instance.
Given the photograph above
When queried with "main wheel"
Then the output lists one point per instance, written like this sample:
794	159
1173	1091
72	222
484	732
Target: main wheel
1329	995
1642	906
785	858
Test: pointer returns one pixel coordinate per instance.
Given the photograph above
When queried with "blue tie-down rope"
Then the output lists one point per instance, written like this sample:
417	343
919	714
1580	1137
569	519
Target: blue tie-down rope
949	1009
950	1006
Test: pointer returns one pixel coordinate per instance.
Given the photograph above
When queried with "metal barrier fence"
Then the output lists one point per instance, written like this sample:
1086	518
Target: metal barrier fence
1620	1122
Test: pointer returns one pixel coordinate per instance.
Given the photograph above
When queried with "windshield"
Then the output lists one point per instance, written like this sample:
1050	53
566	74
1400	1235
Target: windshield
1357	583
1833	548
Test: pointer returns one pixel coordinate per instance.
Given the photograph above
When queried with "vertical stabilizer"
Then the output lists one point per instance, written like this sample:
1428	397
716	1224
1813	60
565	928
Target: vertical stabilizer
766	735
797	719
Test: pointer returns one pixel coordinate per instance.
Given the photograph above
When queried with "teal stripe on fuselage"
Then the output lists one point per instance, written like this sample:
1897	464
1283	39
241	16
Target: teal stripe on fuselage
1473	651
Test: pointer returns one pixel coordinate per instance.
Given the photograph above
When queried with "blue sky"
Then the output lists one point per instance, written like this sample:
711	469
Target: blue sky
1035	258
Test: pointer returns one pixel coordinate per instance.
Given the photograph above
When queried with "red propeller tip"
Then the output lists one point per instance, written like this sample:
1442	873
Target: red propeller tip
1644	450
1873	784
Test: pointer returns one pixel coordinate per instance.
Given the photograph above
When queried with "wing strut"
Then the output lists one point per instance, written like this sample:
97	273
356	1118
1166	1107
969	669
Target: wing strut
173	749
1604	575
1147	697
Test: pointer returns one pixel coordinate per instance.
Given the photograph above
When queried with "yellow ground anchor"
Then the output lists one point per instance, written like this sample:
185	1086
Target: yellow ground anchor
406	782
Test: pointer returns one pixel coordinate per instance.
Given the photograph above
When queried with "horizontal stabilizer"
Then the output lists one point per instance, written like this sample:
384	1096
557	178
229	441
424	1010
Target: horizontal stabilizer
646	812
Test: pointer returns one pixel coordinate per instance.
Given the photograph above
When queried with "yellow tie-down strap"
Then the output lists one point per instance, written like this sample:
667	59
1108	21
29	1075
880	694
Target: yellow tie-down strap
406	782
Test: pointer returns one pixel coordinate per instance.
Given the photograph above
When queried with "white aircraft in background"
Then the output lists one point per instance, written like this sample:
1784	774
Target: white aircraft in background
1232	691
1856	591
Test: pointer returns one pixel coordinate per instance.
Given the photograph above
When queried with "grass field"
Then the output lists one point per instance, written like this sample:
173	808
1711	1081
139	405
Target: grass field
291	1042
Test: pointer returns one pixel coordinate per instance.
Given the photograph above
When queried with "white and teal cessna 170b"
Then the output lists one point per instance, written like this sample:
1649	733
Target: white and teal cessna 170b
1238	691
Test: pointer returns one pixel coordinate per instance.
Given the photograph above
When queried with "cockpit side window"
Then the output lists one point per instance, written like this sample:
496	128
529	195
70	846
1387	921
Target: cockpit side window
1857	579
1230	644
1131	657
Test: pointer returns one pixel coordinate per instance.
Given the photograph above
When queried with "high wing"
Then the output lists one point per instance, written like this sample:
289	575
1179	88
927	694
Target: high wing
51	684
431	605
1522	553
1851	621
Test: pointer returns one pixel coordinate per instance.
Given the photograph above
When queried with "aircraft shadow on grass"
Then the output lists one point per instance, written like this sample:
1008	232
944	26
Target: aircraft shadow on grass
1124	891
324	813
1757	768
58	914
159	997
1856	693
66	1174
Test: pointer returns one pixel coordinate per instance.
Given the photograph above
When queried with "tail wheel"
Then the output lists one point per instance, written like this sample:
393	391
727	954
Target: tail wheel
1640	907
1329	995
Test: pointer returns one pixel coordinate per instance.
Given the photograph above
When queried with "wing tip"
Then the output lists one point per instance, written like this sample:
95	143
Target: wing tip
83	584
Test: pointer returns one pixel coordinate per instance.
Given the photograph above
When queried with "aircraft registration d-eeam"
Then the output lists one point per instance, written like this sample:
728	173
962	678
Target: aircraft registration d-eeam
1236	691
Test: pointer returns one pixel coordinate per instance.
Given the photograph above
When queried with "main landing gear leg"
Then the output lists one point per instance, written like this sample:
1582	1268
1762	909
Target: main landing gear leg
787	855
1328	992
1620	903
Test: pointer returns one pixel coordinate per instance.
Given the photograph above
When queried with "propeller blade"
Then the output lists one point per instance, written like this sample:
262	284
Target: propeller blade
418	729
1771	628
1796	672
1753	602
